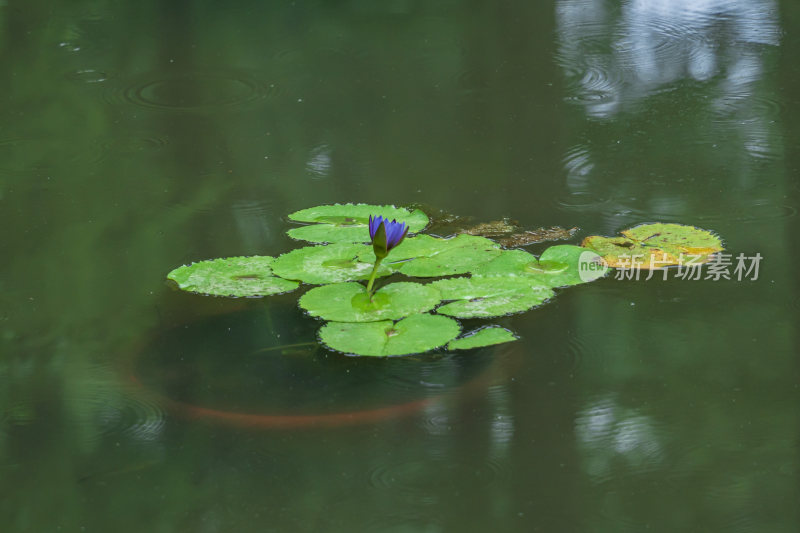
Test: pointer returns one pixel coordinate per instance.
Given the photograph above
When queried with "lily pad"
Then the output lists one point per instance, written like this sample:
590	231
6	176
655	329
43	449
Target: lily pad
232	276
485	297
349	222
348	302
656	246
512	263
333	263
558	266
582	266
426	256
488	336
415	334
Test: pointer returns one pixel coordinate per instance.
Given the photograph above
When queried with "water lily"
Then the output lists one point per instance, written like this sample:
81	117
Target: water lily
384	235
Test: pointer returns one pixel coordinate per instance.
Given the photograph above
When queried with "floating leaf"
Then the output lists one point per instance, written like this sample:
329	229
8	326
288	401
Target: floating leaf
582	266
558	266
328	264
484	297
329	233
232	276
656	246
483	337
348	302
513	263
350	222
415	334
426	256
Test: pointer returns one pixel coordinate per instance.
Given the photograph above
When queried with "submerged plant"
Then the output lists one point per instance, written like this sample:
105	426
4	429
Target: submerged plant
385	235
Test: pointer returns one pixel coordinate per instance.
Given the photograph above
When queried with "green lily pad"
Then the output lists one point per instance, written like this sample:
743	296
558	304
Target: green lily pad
656	246
512	263
485	297
415	334
558	266
348	302
333	263
565	264
426	256
329	233
488	336
350	222
232	276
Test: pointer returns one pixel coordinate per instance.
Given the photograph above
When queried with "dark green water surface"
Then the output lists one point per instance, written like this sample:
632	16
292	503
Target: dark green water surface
139	136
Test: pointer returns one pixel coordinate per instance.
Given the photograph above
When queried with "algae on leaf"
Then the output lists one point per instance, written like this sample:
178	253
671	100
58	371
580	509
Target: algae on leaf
232	276
490	296
525	238
348	302
412	335
656	246
487	336
349	222
331	263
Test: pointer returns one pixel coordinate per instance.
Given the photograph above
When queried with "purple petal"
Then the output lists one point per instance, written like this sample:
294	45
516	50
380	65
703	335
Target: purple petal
391	233
374	222
396	234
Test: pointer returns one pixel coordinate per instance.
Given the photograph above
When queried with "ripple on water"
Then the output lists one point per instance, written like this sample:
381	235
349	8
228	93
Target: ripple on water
88	75
578	165
205	90
581	201
134	415
135	144
746	107
597	86
631	210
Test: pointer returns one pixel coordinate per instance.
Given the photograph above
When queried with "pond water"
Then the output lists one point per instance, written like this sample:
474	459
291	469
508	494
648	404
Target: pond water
139	136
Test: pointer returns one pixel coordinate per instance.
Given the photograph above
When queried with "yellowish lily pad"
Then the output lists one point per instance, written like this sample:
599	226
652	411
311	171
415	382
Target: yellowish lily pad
651	246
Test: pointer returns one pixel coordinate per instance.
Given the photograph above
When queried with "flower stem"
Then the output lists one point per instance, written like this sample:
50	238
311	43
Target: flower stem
372	277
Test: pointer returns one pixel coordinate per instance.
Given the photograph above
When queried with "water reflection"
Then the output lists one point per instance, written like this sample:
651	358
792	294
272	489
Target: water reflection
615	60
617	441
662	77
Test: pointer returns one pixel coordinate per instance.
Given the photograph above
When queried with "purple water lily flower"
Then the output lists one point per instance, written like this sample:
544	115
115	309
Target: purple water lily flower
393	234
385	235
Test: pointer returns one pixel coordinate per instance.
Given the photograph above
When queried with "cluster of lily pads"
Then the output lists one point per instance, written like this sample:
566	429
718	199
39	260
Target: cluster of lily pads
461	277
